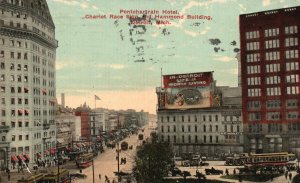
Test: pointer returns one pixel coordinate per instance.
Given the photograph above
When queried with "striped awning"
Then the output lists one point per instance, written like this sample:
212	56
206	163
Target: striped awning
21	157
14	158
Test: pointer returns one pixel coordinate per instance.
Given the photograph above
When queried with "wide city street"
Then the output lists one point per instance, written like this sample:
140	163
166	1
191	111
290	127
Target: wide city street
106	163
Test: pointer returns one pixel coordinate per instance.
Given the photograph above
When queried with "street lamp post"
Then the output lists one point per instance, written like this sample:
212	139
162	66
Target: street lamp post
57	156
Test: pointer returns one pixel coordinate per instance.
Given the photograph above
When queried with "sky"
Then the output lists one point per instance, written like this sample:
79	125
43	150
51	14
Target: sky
122	63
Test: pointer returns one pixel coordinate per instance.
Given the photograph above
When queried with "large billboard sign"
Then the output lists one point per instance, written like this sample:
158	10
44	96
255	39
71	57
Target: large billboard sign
184	91
188	80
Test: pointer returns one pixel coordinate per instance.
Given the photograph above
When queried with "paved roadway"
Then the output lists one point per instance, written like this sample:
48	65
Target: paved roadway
106	163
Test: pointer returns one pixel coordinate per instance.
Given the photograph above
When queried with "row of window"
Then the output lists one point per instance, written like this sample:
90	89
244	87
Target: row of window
273	127
20	150
25	112
13	137
209	118
206	139
290	103
270	68
274	55
273	116
291	41
205	128
273	91
288	30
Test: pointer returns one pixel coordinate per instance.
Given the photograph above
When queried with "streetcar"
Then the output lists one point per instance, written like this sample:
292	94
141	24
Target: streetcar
85	160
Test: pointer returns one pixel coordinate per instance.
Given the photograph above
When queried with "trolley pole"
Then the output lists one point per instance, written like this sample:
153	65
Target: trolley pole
118	149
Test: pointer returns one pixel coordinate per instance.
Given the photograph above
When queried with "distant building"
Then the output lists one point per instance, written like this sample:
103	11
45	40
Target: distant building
98	122
197	117
84	113
66	123
270	80
27	81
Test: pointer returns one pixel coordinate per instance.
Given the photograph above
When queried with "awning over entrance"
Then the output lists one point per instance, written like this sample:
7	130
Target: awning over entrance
27	157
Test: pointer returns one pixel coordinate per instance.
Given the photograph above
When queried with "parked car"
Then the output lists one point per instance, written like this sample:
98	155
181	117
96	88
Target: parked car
176	171
213	171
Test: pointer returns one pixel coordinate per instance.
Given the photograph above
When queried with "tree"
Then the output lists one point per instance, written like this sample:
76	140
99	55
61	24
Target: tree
153	161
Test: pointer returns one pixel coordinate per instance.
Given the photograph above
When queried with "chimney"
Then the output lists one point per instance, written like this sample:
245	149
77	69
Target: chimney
63	99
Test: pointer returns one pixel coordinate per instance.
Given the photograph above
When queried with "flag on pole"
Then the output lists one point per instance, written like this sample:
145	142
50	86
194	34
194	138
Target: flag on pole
97	98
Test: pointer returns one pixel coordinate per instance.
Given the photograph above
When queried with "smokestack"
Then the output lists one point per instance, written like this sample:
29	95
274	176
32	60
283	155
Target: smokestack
63	99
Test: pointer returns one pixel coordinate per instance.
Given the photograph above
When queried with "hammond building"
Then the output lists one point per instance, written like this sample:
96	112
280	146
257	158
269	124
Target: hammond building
270	80
198	117
27	82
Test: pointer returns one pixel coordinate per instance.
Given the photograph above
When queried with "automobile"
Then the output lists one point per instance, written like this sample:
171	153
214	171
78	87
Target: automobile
213	171
78	175
203	163
176	171
185	174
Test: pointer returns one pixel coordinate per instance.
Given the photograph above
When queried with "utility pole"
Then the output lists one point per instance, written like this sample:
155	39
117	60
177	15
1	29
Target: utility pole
93	170
57	155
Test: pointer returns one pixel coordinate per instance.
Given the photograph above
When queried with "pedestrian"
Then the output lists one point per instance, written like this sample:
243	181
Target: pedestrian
234	172
290	176
286	174
99	176
226	171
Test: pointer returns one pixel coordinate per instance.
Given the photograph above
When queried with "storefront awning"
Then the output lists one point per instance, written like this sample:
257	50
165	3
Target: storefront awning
52	150
46	152
27	157
14	158
21	157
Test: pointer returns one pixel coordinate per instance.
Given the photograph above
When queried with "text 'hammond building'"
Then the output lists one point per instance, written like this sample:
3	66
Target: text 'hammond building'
27	81
270	80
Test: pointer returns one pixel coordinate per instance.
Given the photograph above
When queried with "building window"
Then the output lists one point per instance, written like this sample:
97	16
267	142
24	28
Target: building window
292	66
273	104
292	41
217	128
291	29
255	69
253	104
204	128
168	119
238	128
273	116
182	118
195	118
189	139
174	139
225	128
275	55
292	115
272	80
204	138
210	128
272	68
196	128
291	90
292	103
255	92
253	57
20	137
182	128
182	138
253	81
189	118
13	138
162	119
252	34
252	116
210	139
168	138
291	54
272	43
271	32
189	128
162	128
273	91
293	78
217	139
252	46
204	118
168	128
174	118
196	139
174	128
216	118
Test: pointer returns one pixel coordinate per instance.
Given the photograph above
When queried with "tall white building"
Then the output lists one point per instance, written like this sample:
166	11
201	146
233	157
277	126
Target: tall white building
27	80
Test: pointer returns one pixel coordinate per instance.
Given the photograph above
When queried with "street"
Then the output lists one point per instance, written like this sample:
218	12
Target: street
106	163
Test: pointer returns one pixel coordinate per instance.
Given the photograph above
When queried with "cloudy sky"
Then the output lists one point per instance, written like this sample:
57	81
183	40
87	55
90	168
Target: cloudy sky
121	63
